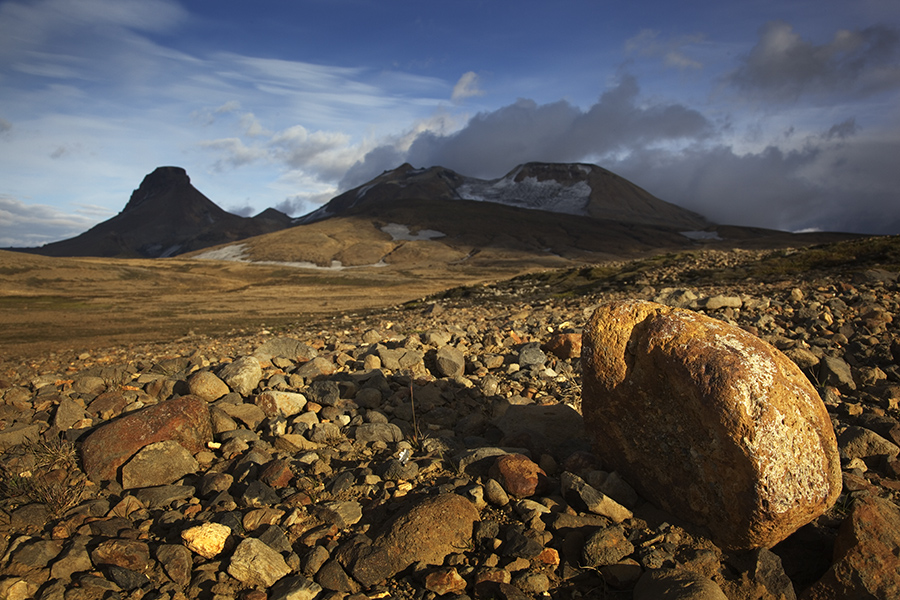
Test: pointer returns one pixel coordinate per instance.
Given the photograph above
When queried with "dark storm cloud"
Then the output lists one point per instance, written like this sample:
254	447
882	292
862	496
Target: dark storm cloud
830	184
493	143
784	66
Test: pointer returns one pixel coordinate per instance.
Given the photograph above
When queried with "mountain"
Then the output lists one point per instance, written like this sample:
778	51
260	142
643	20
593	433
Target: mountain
165	216
575	189
537	216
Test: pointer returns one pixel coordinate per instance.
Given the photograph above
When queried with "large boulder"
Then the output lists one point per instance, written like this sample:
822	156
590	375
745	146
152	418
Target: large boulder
708	421
184	420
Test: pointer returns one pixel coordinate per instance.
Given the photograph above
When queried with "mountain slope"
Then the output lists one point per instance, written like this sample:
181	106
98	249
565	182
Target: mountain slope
575	189
165	216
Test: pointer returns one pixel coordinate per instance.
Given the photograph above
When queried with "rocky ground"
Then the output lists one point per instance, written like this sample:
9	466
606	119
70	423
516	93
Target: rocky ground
433	449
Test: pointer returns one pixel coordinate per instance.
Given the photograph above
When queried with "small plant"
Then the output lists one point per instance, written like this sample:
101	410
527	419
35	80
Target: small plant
418	438
56	453
53	479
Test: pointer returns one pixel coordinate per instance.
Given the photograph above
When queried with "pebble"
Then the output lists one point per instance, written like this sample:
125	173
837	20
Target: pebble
287	505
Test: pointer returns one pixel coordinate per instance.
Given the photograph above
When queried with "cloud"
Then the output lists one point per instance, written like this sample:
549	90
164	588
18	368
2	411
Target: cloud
830	183
647	43
28	225
492	143
466	87
782	66
5	126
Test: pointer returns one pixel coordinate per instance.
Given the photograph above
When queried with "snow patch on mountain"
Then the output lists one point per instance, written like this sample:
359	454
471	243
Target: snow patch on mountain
549	194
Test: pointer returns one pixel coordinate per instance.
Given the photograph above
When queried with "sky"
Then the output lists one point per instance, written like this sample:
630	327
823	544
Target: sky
769	113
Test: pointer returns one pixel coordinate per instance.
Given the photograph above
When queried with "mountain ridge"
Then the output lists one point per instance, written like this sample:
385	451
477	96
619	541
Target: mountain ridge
165	216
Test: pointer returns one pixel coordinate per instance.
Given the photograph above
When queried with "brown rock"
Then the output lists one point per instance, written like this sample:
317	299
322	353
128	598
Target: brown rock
520	476
445	581
128	554
184	420
427	533
564	345
866	554
277	474
207	385
708	421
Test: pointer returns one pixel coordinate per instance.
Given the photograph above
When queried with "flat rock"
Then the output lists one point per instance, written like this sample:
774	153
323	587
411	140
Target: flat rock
578	492
295	588
285	347
286	404
158	464
426	533
256	564
708	421
184	420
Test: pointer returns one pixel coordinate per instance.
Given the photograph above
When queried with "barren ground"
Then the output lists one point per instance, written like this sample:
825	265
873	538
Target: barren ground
83	303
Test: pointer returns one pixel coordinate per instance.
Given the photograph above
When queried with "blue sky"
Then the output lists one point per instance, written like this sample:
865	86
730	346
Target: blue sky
781	114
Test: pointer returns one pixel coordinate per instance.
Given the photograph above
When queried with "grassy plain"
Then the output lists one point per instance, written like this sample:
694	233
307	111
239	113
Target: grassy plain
83	303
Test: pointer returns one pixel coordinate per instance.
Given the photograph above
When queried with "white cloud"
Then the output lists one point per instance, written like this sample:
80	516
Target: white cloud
27	225
494	142
466	87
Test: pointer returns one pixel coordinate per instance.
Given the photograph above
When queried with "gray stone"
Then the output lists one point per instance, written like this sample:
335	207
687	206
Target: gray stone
676	584
835	371
68	413
450	362
242	375
74	558
535	584
275	403
494	493
314	560
394	470
256	564
531	355
37	554
379	432
576	490
326	393
207	385
859	442
158	464
722	301
285	347
176	562
18	434
248	414
316	367
606	547
342	513
294	588
332	576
